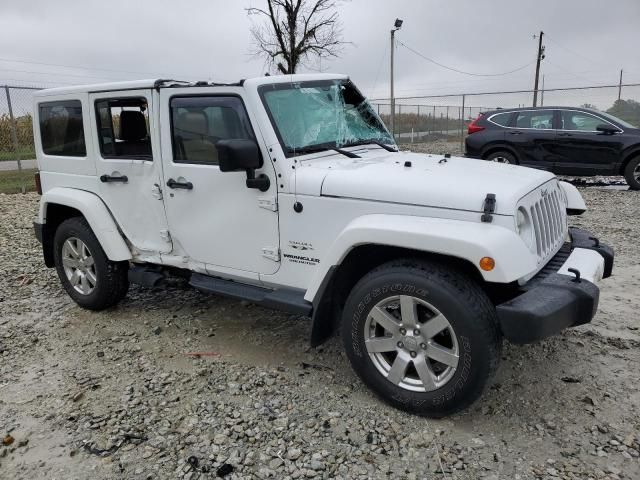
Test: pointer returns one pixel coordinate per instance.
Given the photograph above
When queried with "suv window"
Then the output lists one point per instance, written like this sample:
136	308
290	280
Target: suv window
123	128
197	123
584	122
539	119
502	119
61	128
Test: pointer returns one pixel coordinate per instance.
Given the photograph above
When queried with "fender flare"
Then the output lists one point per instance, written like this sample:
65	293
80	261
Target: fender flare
466	240
95	212
575	202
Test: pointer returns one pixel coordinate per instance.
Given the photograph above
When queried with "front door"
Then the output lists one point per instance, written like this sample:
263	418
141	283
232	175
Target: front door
128	164
213	217
584	150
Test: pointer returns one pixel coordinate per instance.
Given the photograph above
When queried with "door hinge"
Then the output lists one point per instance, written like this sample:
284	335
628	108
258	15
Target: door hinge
268	203
272	253
165	235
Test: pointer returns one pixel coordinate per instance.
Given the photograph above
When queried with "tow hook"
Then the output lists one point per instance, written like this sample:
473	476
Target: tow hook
576	272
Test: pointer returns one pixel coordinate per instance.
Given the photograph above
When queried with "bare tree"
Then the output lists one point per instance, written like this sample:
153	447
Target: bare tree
295	30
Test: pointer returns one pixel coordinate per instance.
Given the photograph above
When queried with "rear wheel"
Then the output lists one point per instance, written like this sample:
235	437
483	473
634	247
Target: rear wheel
632	173
89	277
422	336
502	156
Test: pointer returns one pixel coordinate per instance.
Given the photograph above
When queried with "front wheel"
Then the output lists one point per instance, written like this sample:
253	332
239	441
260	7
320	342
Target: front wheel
632	174
422	336
89	277
502	157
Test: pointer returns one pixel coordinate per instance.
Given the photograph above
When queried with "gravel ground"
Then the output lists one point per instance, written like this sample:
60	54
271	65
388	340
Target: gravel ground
119	394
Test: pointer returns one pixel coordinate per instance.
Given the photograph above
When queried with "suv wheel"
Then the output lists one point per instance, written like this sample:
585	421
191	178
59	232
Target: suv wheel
632	173
89	277
502	157
422	336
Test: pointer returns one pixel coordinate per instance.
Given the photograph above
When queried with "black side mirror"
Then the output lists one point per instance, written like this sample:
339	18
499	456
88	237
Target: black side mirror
237	154
607	129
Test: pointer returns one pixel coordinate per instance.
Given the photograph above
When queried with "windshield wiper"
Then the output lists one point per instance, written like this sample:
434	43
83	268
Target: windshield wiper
319	148
374	142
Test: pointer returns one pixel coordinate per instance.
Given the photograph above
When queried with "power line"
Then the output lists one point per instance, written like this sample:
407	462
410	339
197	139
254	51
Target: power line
77	67
595	62
462	71
52	73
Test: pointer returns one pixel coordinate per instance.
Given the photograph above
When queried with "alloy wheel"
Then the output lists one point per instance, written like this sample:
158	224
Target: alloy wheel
500	159
79	265
411	343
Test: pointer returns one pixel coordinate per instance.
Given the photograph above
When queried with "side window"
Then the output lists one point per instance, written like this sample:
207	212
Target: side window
123	128
197	123
61	128
502	119
572	120
539	119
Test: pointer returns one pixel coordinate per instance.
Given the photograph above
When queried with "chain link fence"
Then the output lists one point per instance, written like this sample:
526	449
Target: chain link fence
17	152
442	120
439	121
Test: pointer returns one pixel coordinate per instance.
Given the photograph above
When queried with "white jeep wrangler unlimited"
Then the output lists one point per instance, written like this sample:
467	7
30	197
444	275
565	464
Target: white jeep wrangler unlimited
289	192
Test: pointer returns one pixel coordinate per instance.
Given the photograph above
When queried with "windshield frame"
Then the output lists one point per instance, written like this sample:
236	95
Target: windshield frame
288	152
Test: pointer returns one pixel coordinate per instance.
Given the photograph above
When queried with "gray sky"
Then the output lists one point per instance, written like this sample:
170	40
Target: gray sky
588	42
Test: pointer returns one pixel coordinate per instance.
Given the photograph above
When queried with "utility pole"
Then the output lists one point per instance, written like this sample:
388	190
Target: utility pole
542	92
620	86
396	26
540	57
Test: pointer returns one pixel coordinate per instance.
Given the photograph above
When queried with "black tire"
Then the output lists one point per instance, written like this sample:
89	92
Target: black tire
112	280
631	175
502	156
466	307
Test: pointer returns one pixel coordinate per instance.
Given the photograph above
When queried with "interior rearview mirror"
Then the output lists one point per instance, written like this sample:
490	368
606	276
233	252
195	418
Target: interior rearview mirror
609	129
237	154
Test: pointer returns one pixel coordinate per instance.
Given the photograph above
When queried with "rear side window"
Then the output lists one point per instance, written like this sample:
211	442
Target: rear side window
197	123
123	128
61	128
539	119
501	119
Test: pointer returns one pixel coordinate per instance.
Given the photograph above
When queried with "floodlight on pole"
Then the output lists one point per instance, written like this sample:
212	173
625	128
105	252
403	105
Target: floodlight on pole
397	26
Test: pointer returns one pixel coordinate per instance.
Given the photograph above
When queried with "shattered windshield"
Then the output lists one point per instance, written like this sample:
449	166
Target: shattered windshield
320	115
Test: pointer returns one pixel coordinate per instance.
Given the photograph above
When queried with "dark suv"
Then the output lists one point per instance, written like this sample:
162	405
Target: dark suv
564	140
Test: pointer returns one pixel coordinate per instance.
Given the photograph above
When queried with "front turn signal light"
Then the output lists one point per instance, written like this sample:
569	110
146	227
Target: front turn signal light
487	264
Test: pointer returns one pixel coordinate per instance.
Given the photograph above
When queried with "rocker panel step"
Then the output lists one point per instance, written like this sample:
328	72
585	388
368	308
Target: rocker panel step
287	300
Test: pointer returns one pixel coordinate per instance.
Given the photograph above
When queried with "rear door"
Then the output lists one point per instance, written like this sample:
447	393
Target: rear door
213	217
533	136
129	167
582	149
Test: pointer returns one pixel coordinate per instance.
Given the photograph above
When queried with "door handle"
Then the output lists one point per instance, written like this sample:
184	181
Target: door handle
515	133
565	135
171	183
108	178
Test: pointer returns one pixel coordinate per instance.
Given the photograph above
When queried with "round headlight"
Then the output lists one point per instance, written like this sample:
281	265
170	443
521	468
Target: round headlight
524	228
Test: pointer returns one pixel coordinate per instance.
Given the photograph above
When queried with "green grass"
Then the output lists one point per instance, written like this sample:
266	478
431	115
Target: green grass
12	181
23	153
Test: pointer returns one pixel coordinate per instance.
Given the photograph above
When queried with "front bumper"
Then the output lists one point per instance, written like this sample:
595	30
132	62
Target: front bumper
564	294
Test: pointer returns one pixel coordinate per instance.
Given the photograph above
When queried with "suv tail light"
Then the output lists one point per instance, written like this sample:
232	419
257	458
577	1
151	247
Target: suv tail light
474	127
36	179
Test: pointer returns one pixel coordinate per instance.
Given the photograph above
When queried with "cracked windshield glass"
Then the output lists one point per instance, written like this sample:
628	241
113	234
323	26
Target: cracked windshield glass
313	116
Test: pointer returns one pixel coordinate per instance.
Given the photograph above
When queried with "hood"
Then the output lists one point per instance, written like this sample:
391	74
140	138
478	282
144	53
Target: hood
419	179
